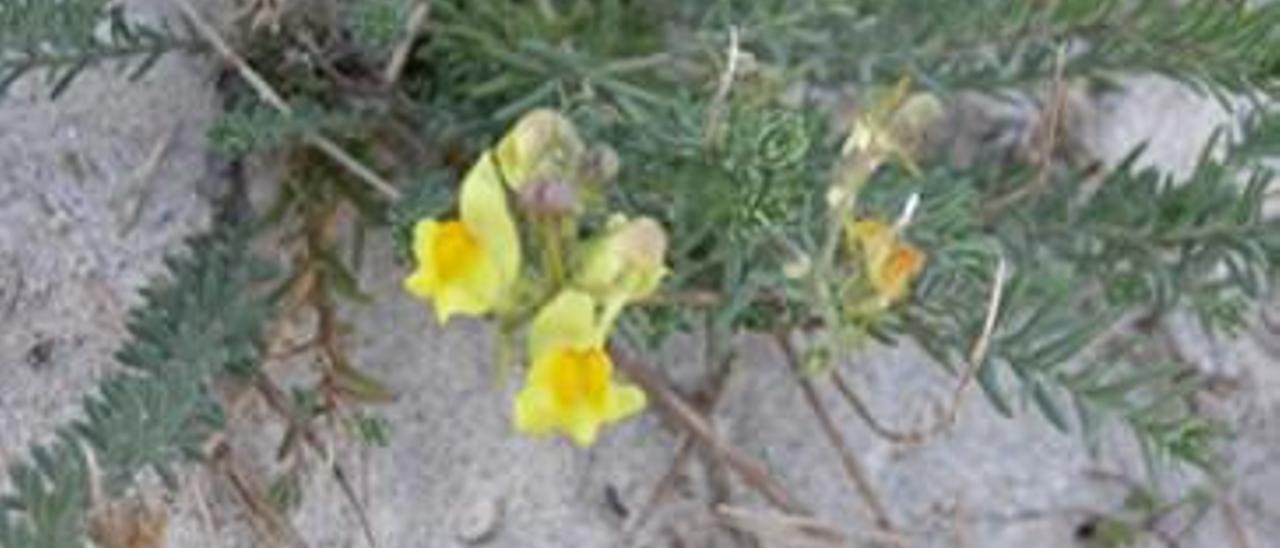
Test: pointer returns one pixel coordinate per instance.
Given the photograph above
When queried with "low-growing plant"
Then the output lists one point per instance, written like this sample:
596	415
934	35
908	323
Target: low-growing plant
594	177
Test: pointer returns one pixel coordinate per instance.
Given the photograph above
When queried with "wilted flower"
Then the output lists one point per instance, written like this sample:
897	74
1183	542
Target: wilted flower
570	387
895	127
890	264
468	265
542	143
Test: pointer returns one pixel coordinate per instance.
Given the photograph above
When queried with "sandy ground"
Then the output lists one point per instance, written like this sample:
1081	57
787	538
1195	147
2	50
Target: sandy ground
72	253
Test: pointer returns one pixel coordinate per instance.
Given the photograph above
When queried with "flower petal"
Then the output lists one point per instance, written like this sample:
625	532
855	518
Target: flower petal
583	428
568	321
534	411
483	208
474	295
422	282
624	401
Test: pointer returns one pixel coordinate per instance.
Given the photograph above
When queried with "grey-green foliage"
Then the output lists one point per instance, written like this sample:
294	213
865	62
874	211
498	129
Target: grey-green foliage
1089	255
62	38
380	24
989	44
496	58
1085	256
204	320
252	127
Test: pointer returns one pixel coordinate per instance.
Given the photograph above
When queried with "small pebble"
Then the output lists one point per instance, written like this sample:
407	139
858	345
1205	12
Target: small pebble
477	522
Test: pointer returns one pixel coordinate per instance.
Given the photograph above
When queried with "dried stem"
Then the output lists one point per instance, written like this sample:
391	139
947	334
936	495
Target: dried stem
849	462
720	101
905	437
269	95
753	472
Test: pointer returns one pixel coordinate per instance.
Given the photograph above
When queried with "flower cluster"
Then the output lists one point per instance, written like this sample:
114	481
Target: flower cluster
574	288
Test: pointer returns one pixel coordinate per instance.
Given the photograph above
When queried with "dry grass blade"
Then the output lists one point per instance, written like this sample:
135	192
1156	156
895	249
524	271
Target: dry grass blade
145	179
719	102
753	472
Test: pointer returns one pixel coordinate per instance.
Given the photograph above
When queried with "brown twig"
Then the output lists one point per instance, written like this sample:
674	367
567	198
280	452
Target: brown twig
400	56
684	451
753	472
269	95
1231	515
860	408
849	462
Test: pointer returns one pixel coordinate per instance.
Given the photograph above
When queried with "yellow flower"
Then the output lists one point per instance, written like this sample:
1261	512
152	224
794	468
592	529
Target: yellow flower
468	265
542	143
570	386
891	264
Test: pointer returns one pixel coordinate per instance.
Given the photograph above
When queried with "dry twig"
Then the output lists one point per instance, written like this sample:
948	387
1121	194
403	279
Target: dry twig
684	451
753	472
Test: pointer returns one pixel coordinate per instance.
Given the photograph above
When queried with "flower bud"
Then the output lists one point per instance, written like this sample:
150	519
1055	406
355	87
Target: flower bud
627	263
598	166
551	197
911	124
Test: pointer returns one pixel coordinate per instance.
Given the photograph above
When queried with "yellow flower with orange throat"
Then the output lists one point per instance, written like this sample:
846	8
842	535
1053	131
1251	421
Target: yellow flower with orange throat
468	265
890	264
570	388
